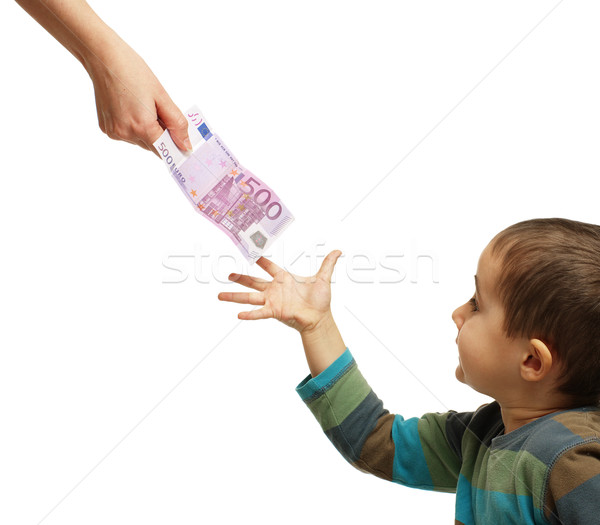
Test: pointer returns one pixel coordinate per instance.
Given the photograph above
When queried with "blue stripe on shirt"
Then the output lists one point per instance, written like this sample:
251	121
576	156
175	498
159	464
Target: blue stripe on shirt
410	466
313	387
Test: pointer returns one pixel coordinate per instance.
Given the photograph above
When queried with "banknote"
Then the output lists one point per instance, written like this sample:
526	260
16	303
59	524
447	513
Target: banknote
222	190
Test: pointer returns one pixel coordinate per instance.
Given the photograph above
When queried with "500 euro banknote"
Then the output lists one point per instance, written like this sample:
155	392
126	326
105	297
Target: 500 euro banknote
222	190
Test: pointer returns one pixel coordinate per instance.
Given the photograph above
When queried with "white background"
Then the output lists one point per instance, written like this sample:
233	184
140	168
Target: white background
128	398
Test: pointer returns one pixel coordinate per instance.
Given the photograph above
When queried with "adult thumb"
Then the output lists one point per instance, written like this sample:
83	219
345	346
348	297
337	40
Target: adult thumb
174	120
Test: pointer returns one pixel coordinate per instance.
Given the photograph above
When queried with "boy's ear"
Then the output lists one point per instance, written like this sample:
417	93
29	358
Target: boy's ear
537	362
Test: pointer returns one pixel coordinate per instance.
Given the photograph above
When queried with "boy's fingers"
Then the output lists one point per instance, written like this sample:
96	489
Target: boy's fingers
270	267
254	315
253	298
247	280
326	270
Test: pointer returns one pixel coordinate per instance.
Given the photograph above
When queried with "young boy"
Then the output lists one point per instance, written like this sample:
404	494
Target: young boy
529	338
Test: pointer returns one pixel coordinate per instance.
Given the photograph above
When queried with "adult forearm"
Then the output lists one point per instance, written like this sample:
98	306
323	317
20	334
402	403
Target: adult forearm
131	103
322	345
76	26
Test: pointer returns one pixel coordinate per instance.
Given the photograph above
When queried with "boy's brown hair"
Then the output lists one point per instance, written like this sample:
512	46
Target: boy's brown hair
549	285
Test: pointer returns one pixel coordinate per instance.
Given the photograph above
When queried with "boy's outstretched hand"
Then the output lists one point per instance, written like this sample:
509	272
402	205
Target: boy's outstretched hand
299	302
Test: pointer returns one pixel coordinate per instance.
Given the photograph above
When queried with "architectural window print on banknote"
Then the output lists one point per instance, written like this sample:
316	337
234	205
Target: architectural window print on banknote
222	190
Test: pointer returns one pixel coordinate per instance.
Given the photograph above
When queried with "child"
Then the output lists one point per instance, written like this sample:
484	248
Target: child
529	338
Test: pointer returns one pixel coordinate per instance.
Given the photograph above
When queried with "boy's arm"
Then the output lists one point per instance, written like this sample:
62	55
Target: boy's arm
322	344
414	452
574	485
130	100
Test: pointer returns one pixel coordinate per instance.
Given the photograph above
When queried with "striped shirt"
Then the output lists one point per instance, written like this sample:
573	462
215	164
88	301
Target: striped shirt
547	471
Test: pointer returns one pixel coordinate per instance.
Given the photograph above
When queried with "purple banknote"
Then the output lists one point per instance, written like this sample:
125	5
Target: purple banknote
223	191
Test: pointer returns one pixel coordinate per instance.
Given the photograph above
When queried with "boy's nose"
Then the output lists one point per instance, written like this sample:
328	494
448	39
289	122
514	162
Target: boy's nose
458	318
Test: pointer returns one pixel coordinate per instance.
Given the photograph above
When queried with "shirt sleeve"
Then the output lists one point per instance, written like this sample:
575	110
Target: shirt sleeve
573	489
414	452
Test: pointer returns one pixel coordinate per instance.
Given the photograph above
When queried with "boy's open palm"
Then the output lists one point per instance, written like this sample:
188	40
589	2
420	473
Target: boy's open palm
299	302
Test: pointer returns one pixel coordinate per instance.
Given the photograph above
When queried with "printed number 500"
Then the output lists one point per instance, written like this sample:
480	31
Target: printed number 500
262	197
162	149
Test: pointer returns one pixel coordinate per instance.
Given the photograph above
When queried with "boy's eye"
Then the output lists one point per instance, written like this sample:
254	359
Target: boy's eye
474	305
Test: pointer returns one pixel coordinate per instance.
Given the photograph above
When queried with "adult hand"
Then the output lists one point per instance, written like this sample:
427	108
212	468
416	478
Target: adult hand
131	103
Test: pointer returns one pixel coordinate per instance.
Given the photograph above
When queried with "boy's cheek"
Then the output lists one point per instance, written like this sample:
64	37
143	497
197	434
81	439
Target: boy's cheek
459	373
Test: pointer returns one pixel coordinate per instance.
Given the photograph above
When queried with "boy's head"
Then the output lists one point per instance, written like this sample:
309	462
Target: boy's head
542	279
549	284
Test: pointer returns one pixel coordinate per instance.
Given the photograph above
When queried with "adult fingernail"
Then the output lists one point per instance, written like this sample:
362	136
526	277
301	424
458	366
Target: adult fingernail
188	144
